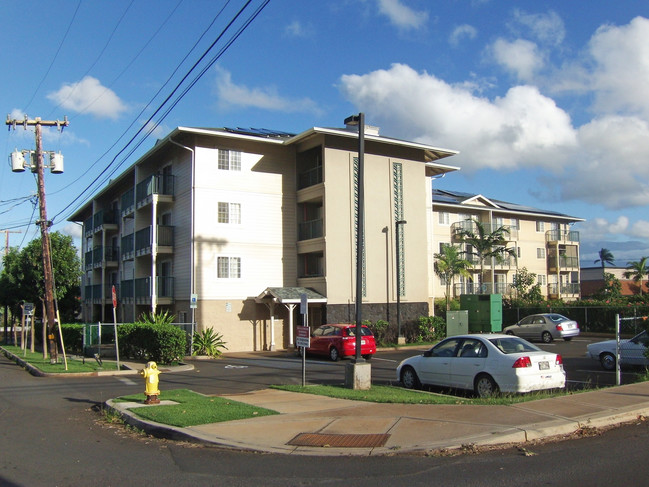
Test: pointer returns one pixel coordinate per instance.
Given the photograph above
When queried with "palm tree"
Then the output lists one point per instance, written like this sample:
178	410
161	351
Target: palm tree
448	265
637	270
487	245
605	257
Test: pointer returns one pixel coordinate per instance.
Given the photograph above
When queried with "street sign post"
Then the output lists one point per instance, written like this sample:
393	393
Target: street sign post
114	293
303	334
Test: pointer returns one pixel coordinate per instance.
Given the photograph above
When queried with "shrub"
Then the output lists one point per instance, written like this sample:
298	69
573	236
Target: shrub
208	343
431	328
72	337
162	343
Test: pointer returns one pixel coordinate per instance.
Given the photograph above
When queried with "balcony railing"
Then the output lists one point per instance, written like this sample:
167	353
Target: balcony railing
511	233
128	202
143	240
88	226
88	260
155	184
566	236
565	262
505	288
164	287
126	290
310	177
310	229
128	246
104	217
563	289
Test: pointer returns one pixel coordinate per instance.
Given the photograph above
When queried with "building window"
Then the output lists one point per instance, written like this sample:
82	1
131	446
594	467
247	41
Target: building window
540	278
229	213
229	160
540	226
444	218
540	253
515	224
498	221
229	267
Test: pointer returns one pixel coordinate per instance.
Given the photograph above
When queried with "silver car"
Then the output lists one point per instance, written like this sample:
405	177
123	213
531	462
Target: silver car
632	351
545	327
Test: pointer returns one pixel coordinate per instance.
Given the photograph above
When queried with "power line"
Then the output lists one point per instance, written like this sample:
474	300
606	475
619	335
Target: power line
183	93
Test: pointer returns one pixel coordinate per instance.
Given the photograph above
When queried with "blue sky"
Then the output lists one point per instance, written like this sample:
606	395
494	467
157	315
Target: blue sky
546	101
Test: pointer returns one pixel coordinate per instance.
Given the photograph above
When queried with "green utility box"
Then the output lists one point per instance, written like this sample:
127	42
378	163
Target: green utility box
485	312
457	323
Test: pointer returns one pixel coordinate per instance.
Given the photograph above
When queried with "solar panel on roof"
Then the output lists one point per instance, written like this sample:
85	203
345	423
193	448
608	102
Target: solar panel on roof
258	132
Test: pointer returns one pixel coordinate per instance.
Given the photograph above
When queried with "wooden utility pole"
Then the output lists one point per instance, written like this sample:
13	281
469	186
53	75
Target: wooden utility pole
7	232
45	224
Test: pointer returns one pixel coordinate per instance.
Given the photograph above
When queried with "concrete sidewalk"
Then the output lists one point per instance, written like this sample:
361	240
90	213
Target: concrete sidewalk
314	425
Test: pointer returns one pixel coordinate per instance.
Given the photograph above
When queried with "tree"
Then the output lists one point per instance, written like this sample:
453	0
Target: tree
487	245
22	276
525	286
448	265
637	270
605	257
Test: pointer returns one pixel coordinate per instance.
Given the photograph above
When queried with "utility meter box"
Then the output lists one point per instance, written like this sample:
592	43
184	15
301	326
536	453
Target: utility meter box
457	323
485	312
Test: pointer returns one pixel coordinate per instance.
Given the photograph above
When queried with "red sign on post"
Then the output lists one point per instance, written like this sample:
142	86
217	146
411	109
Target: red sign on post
114	298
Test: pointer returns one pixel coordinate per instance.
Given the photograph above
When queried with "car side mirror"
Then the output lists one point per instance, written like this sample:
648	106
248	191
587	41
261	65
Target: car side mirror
428	353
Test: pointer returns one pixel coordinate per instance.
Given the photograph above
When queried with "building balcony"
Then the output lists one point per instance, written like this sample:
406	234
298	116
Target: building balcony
505	288
164	240
562	236
128	247
565	263
139	291
564	290
104	257
127	203
105	220
88	227
458	228
87	259
310	229
161	185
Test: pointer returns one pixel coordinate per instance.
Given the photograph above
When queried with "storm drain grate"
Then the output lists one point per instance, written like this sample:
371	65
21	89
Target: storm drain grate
339	441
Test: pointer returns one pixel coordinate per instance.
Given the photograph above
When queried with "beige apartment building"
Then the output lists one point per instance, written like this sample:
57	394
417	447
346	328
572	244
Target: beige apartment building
543	242
233	228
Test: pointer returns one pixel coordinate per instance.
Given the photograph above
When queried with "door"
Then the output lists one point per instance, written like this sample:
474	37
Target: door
470	360
436	364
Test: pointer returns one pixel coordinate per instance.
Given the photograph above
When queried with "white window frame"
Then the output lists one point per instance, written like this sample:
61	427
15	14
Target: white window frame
228	265
231	213
540	253
515	223
444	218
541	279
229	160
540	226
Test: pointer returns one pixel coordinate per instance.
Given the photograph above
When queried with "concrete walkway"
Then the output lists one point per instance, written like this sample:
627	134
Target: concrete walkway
315	425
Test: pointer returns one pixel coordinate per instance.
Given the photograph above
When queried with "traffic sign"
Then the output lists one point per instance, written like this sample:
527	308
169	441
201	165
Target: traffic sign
303	336
28	309
193	301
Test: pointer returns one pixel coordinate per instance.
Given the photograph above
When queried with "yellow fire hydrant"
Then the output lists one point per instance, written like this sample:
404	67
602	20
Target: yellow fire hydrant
150	374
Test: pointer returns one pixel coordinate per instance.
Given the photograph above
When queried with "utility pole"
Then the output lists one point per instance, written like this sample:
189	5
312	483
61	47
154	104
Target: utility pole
56	166
7	232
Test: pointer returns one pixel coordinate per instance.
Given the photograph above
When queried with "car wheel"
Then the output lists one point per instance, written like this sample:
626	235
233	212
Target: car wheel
567	339
485	386
607	360
333	354
546	337
367	357
409	378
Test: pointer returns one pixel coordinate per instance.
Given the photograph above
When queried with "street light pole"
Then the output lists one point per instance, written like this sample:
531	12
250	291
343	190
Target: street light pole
399	253
360	217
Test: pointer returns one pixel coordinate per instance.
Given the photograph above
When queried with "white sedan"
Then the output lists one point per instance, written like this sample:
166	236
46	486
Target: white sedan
486	364
632	351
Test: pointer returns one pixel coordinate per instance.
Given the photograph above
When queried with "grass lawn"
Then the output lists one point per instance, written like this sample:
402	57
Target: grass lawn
194	409
75	365
399	395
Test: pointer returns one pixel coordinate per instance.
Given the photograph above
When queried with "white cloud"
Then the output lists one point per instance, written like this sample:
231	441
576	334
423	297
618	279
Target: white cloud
89	96
267	98
73	230
547	28
621	75
521	129
640	229
520	57
295	29
461	32
402	16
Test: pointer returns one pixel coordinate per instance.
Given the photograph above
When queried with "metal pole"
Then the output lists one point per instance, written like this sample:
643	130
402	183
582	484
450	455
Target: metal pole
360	223
398	279
617	350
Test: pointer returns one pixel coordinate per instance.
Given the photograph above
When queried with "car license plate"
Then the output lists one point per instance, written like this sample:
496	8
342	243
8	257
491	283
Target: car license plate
362	342
544	365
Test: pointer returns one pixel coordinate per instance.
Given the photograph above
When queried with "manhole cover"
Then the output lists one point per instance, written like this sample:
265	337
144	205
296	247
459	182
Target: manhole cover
339	441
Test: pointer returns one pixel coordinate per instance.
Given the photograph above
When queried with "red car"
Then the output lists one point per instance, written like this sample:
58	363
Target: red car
339	340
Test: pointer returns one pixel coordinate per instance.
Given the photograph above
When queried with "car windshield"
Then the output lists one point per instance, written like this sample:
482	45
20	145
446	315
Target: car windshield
513	345
642	337
365	332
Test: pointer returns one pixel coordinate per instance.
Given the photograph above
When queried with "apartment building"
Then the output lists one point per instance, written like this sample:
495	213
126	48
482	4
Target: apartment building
230	228
542	241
